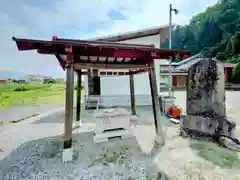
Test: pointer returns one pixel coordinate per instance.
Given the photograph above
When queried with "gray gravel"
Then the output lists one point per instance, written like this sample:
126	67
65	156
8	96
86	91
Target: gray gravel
35	152
41	159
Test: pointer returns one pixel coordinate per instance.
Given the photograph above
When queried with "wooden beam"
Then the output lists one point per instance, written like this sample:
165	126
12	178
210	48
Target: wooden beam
108	66
115	72
68	106
138	71
106	61
79	85
132	94
97	59
104	73
155	104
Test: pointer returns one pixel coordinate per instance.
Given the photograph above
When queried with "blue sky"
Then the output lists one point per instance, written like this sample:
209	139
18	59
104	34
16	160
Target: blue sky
78	19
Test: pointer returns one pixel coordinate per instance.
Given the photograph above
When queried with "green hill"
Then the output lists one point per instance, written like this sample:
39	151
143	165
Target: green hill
216	31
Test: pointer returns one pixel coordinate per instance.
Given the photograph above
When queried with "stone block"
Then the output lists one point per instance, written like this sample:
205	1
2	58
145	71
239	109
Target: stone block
67	155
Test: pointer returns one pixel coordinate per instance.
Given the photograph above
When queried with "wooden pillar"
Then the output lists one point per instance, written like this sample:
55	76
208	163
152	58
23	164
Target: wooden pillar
78	105
155	105
132	93
67	147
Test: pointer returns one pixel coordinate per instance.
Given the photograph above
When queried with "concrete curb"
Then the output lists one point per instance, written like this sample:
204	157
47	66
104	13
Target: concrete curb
43	115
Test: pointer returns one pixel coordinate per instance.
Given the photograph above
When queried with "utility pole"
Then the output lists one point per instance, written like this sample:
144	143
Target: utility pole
170	47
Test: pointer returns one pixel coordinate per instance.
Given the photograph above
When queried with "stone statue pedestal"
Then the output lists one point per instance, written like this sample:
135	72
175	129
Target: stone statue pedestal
200	126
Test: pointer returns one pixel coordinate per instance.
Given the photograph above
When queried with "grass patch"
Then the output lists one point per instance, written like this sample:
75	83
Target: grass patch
15	94
34	94
219	156
1	122
111	156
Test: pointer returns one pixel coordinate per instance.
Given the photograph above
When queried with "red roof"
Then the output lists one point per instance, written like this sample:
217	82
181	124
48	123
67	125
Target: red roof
229	65
104	54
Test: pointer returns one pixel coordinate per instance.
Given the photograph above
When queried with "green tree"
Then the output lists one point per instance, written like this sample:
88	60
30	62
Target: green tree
217	29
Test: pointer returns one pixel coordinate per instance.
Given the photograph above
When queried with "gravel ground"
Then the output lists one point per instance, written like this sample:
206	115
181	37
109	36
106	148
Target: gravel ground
41	159
32	150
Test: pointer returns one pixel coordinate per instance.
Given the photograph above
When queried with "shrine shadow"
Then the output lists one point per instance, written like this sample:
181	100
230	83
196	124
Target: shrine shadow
220	156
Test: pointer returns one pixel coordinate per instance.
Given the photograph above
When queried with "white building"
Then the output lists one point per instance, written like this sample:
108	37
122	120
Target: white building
179	71
115	90
34	78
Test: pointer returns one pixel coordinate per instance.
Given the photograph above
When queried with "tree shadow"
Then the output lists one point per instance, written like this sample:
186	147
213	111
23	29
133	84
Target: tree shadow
222	157
41	159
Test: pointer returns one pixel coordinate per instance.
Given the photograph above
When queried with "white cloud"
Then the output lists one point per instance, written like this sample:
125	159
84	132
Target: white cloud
76	19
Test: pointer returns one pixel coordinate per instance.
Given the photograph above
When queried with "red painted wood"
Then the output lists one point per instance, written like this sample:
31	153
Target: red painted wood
86	48
225	76
54	38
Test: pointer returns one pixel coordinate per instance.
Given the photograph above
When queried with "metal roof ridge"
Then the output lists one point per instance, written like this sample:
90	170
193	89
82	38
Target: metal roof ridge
130	32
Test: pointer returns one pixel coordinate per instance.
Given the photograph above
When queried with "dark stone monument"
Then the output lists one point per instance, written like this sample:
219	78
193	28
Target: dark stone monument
206	111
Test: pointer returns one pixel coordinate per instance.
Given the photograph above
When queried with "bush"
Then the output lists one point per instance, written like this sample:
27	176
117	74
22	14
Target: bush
221	56
21	89
50	81
233	59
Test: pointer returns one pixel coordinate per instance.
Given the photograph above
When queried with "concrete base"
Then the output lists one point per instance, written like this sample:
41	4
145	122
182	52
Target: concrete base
77	124
207	125
159	139
104	136
134	118
67	155
165	103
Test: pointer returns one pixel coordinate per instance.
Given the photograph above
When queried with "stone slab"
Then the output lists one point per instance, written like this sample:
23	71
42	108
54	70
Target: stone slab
105	136
111	112
110	119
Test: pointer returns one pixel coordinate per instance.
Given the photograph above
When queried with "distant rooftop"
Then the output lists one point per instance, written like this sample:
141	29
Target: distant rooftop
133	34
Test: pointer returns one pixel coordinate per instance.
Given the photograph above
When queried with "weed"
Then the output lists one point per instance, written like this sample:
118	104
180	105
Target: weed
111	156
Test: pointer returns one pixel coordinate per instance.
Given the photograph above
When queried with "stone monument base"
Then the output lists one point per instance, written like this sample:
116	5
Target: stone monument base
105	136
206	127
112	123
